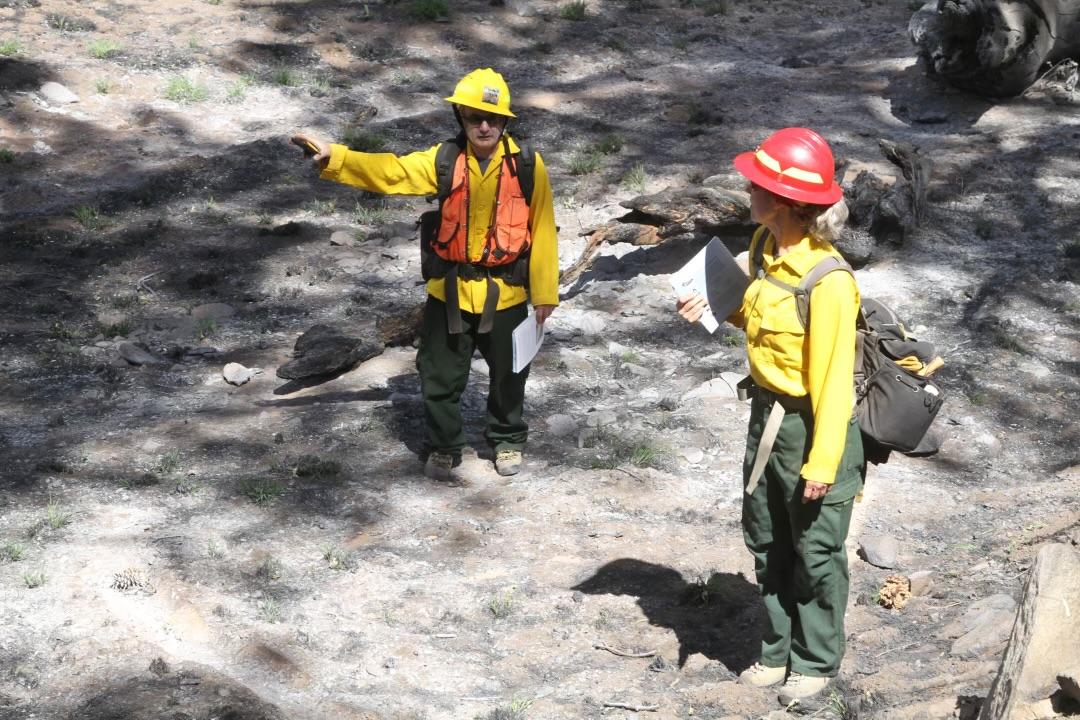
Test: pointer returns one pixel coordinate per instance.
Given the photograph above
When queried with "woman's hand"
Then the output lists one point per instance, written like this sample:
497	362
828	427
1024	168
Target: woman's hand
814	491
543	312
692	306
317	150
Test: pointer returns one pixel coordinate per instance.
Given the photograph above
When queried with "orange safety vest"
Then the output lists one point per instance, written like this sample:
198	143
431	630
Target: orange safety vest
508	235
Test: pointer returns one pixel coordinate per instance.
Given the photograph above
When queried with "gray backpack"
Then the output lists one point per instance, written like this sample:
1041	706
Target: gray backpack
894	406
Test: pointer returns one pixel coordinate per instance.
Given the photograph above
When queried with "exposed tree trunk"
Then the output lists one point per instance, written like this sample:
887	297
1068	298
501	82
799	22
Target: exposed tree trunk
671	213
995	47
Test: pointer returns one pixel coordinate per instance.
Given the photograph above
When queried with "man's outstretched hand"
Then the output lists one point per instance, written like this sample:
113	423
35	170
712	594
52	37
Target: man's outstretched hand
317	150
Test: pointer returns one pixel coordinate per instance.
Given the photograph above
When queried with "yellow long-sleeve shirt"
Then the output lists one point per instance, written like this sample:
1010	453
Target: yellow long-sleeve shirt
783	359
414	174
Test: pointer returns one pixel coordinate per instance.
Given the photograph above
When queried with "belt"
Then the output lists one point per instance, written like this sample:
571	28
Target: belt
779	405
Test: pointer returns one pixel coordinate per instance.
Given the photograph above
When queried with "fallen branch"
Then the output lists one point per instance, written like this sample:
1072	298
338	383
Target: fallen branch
139	284
630	707
623	653
585	260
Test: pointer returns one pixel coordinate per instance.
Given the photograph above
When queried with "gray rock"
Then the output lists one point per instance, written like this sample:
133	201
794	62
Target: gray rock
324	350
342	237
692	455
1045	639
137	355
213	311
879	550
523	8
42	148
561	425
591	323
600	418
922	582
983	627
57	94
717	387
237	374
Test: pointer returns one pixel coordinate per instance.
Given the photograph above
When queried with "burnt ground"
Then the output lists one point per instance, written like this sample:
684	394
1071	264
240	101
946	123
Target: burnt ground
201	550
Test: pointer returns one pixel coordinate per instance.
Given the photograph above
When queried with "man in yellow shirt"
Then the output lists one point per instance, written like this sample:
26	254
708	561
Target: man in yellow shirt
489	250
804	461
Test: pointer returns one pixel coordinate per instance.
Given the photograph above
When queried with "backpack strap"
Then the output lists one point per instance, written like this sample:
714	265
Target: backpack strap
757	253
445	159
807	284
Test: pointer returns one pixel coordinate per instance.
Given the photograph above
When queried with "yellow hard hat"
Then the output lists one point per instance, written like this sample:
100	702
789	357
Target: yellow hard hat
483	89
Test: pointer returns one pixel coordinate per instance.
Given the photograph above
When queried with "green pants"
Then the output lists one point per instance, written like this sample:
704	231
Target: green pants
444	361
799	555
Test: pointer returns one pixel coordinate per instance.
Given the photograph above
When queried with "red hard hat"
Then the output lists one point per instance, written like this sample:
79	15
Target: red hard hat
795	163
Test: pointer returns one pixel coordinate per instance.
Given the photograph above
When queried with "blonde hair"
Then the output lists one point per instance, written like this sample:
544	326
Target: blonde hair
822	222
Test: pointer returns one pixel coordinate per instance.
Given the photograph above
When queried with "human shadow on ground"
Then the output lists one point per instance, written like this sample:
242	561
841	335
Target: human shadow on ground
719	618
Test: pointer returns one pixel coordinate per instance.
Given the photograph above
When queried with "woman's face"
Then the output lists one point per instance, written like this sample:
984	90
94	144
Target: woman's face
764	206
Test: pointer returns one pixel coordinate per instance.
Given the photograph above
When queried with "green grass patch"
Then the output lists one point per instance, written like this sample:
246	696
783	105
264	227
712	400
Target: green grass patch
335	557
270	610
184	90
262	491
643	456
104	49
610	145
370	214
1072	250
34	578
102	87
427	10
168	463
635	179
585	162
56	516
502	606
121	329
87	216
14	550
205	327
363	140
322	207
574	10
9	47
7	155
286	77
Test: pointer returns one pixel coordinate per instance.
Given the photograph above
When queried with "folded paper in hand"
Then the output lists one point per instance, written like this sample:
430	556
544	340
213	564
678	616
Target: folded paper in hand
714	274
528	337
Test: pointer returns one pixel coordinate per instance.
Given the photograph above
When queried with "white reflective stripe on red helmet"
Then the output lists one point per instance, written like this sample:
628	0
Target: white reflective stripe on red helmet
793	172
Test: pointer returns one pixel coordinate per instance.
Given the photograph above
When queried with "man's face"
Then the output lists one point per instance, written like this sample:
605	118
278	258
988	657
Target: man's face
483	129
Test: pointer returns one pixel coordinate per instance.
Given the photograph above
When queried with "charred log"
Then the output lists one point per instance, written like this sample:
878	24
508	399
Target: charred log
995	47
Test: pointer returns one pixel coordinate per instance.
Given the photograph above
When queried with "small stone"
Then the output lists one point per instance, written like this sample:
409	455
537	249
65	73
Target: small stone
922	583
561	425
692	455
591	324
600	418
342	237
137	355
237	374
213	311
879	550
57	94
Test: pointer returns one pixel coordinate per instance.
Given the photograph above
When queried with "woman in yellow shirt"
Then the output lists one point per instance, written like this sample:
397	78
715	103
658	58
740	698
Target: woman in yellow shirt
800	491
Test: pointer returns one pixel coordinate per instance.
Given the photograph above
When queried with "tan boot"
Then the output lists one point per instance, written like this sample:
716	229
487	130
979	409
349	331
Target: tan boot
802	687
508	462
444	467
760	675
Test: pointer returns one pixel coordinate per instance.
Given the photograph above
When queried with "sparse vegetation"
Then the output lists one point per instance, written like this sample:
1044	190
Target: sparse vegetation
205	327
370	214
7	155
270	609
610	145
34	578
643	456
184	90
262	491
102	86
322	207
168	463
427	10
635	179
501	606
87	216
104	49
14	550
584	162
574	10
56	516
9	47
215	549
335	557
286	77
362	140
270	569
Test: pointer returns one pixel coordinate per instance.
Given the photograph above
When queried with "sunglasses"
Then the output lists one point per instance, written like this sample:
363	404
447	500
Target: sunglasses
476	119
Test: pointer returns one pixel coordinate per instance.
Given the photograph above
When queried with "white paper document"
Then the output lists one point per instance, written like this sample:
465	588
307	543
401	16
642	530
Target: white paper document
528	337
713	274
